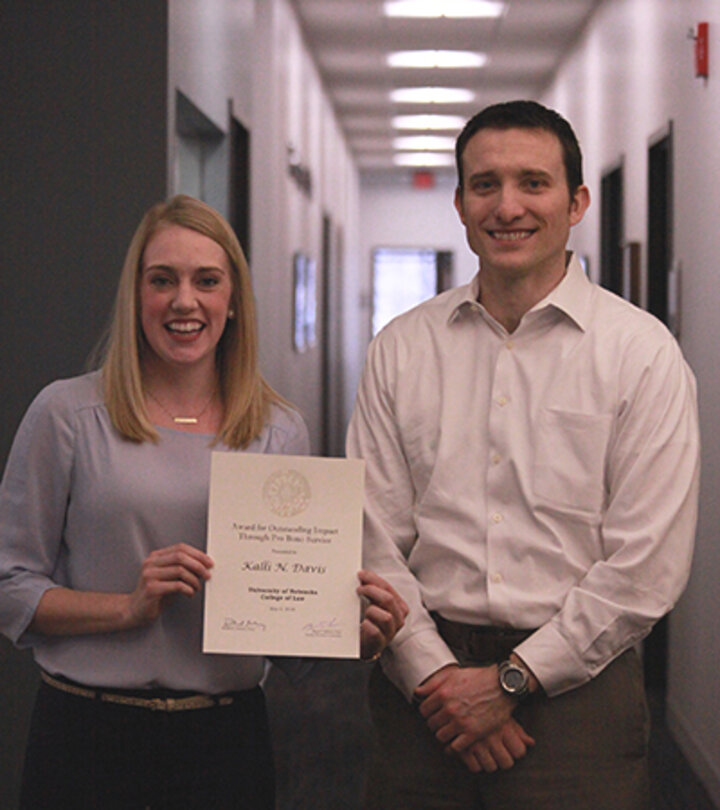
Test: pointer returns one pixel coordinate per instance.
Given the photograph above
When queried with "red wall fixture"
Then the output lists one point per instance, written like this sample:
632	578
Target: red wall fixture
701	51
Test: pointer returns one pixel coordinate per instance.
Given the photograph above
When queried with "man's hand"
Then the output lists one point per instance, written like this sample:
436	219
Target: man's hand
464	705
500	749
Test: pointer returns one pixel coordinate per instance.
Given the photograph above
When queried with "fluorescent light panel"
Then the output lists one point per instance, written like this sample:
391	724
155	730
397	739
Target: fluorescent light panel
433	122
423	159
431	95
436	59
435	143
444	8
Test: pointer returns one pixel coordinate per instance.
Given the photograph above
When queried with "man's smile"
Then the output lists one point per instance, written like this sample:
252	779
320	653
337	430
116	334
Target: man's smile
511	236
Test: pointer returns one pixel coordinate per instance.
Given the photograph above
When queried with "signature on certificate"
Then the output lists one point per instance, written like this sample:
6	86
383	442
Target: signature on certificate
248	625
330	628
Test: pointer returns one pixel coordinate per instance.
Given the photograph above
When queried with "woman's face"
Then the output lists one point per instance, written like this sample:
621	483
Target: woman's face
184	292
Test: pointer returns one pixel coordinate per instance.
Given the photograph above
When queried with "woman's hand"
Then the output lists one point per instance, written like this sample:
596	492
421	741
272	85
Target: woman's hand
179	569
384	614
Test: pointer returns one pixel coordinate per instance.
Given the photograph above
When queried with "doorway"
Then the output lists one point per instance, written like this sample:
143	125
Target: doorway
333	379
405	277
660	223
240	184
200	160
659	240
612	230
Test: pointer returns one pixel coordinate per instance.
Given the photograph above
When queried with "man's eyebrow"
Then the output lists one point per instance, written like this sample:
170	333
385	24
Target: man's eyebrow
521	173
482	175
535	173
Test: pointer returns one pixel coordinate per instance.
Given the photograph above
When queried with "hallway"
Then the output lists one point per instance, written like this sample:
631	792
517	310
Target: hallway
104	103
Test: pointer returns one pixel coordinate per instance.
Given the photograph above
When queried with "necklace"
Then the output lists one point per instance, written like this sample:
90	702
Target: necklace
182	420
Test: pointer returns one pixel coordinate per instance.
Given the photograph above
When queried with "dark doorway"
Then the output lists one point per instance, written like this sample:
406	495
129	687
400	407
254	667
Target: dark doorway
612	230
331	325
240	183
444	266
660	222
659	240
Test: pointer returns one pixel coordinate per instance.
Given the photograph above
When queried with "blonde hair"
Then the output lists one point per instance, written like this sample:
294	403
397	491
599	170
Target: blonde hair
245	395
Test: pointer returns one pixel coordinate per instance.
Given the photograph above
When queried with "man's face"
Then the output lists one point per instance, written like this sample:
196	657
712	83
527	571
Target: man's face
515	203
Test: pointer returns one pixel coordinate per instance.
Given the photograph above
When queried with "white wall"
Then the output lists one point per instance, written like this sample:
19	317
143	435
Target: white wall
210	62
631	73
250	54
291	109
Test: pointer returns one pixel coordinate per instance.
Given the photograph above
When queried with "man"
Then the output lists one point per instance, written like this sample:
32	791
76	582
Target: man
532	470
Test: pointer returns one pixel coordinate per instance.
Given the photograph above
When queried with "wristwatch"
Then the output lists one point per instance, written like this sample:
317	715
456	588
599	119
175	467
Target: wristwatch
514	679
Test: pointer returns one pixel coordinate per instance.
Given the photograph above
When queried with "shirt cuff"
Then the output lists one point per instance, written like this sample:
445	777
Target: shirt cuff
553	661
408	663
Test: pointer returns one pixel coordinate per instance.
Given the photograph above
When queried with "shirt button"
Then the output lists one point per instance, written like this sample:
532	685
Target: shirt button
496	578
495	459
497	517
502	401
510	345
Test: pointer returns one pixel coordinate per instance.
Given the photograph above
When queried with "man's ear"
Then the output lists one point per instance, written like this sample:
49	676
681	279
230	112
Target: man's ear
579	204
459	204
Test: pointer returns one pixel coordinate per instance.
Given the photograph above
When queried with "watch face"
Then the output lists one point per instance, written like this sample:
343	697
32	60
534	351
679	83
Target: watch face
514	679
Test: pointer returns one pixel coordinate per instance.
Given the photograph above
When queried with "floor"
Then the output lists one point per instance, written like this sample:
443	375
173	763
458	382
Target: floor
674	785
321	729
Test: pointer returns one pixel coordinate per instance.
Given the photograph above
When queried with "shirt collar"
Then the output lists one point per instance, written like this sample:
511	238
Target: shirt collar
571	296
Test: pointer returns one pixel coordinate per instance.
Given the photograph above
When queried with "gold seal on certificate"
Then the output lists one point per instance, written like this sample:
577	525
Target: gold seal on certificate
285	533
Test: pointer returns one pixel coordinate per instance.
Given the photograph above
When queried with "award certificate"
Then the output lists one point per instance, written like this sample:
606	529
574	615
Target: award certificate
285	533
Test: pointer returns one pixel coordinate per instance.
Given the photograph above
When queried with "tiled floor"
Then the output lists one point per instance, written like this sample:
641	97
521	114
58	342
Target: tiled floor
321	728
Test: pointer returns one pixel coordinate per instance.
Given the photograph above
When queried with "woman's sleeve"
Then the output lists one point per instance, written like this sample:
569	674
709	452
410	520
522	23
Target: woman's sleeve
293	438
33	501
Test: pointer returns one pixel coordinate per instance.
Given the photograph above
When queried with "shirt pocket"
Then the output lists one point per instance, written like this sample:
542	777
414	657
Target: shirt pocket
569	467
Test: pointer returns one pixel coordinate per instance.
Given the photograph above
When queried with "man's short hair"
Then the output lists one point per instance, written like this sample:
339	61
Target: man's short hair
525	115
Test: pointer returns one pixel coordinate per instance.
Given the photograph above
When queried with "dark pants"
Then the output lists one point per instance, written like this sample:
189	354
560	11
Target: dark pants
88	755
590	752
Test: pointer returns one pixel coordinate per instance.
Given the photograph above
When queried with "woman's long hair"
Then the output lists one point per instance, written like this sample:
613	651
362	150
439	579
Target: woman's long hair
246	396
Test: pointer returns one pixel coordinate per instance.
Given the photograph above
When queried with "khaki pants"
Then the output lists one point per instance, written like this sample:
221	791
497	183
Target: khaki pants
590	752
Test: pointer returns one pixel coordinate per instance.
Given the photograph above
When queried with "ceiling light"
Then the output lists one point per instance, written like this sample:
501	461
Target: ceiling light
450	122
443	8
436	59
436	143
432	95
423	159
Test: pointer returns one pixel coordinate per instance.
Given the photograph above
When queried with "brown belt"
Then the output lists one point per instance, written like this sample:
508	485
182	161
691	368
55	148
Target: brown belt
480	643
161	704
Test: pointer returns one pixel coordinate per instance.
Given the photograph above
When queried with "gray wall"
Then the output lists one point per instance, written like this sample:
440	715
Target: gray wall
82	155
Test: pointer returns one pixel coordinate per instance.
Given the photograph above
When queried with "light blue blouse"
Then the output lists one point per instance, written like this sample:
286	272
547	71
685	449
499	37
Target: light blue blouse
81	507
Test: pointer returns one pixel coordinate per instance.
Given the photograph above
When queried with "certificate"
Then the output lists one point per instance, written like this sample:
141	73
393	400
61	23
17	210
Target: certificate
285	533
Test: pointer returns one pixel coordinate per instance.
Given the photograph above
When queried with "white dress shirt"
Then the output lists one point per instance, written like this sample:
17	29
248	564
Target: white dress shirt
545	479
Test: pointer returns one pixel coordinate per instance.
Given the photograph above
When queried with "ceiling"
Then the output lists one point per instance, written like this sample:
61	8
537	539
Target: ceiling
350	40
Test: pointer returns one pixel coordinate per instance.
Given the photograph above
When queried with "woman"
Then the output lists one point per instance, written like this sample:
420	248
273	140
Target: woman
103	513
